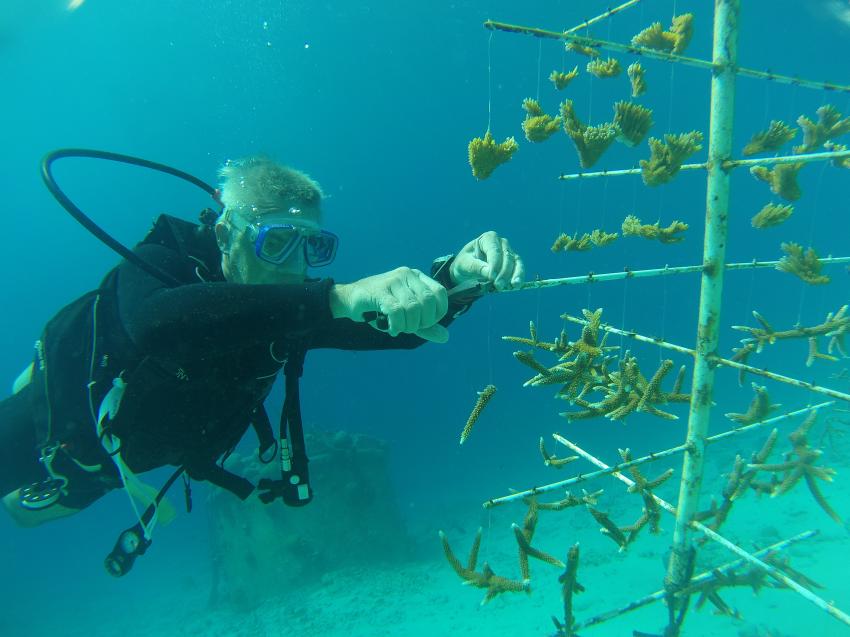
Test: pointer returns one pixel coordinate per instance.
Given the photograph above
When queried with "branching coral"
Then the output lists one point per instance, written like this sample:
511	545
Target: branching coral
760	408
637	77
799	464
538	126
561	79
835	327
802	264
632	227
627	391
569	587
776	135
494	584
484	397
782	179
771	215
604	68
590	141
581	49
675	40
597	238
633	122
553	461
485	155
666	157
829	125
838	162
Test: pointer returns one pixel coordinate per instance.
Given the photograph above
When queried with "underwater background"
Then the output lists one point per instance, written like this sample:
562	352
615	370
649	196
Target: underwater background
378	101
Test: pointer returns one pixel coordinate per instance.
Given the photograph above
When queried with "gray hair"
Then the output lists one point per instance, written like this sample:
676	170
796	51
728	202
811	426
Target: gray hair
261	185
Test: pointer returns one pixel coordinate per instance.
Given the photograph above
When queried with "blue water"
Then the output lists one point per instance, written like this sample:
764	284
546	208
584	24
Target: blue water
377	101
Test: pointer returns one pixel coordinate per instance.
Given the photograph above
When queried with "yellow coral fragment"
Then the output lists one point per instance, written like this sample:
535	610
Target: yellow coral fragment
666	157
561	80
485	155
590	141
604	68
600	238
838	162
572	243
654	37
588	51
538	126
636	74
682	30
771	215
802	264
675	40
782	179
776	135
633	122
829	126
632	227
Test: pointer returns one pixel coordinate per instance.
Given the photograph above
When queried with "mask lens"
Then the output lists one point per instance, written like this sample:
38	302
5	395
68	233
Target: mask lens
277	243
320	249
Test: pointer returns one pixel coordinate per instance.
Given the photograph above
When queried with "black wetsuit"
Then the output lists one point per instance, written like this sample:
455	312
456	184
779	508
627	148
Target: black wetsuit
198	359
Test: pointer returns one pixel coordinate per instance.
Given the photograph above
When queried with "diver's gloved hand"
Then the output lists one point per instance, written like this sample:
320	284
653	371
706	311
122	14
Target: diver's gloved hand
488	259
411	301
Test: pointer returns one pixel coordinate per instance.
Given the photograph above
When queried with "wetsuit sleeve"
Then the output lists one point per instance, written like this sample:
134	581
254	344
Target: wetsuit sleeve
208	319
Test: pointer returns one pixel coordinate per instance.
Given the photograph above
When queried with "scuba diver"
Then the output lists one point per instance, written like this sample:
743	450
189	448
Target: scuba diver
170	360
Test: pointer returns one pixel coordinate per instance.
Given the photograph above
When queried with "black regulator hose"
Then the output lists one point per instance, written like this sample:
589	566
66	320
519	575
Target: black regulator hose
91	226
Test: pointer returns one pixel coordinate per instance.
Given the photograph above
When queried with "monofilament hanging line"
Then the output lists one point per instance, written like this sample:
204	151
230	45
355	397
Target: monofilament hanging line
772	571
661	55
652	457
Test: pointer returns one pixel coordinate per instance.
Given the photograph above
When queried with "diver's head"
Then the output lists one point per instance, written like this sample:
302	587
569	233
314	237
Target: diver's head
270	230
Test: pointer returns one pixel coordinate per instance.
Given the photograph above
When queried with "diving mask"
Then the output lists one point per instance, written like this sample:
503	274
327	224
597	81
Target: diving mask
275	242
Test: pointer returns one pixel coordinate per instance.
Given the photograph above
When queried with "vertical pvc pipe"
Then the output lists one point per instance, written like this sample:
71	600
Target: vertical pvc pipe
724	59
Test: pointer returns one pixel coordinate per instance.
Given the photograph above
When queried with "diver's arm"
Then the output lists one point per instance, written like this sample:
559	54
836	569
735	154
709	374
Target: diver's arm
204	318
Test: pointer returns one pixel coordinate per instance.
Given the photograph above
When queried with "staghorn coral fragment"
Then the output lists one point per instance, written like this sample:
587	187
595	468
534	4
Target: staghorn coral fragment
561	80
587	51
760	408
771	215
537	125
804	265
604	68
571	501
608	527
484	397
799	465
667	157
569	587
494	584
485	155
632	227
829	125
553	461
637	77
777	135
529	551
633	122
782	179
